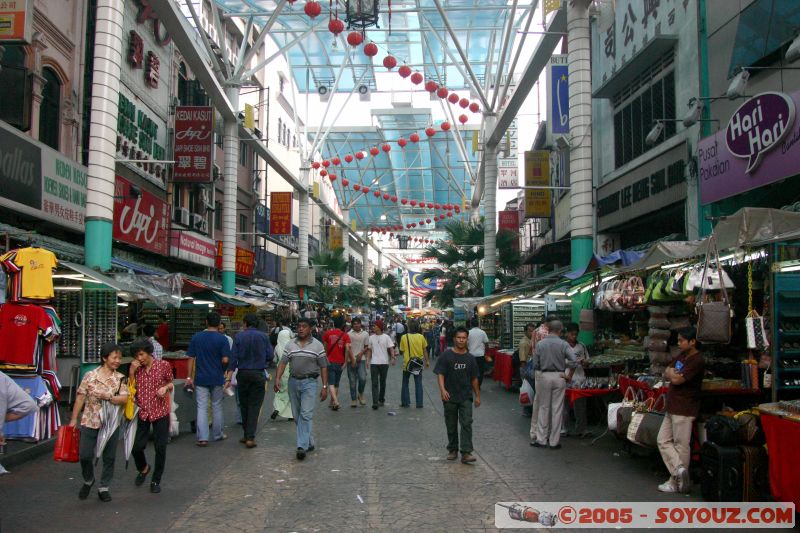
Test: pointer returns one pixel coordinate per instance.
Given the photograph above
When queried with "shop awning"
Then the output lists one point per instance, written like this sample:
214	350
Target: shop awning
136	268
619	257
126	291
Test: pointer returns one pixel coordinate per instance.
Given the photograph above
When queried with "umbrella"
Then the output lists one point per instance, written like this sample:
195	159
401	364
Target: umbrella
110	417
129	434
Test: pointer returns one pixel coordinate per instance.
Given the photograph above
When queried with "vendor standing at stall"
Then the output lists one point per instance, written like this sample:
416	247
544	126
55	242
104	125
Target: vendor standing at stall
685	375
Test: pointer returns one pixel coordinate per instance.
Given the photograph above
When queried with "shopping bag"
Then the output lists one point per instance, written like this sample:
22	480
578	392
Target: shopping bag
613	408
646	423
525	393
130	405
713	318
67	447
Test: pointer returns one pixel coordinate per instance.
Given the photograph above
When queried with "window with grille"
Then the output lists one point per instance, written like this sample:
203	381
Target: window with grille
50	109
638	106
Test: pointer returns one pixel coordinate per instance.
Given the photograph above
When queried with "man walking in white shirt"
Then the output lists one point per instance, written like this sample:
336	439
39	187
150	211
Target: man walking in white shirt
380	351
476	344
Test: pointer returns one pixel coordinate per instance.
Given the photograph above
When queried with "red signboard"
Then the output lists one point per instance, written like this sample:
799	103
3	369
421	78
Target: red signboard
509	221
245	260
194	138
142	221
193	247
280	213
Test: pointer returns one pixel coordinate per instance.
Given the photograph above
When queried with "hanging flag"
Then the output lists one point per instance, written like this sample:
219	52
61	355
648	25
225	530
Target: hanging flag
419	284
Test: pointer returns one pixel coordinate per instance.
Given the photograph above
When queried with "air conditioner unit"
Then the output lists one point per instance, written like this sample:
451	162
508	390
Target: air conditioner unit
182	216
197	221
203	226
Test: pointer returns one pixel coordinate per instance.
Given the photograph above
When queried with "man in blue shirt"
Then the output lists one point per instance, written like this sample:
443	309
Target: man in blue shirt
209	352
251	353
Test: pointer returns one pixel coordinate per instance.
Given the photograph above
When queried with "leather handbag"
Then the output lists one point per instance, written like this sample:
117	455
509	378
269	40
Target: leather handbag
646	423
67	448
713	318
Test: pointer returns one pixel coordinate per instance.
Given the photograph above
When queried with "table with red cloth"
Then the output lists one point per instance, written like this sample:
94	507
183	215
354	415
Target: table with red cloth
503	366
639	386
574	394
783	434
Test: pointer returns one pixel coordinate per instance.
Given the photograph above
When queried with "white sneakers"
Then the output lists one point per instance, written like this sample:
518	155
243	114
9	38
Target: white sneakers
680	482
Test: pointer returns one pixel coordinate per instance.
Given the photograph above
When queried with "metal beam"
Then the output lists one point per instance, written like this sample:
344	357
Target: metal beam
511	70
246	75
504	48
533	70
315	146
259	42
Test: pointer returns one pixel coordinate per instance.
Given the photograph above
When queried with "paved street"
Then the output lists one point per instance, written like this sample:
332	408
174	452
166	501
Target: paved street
371	472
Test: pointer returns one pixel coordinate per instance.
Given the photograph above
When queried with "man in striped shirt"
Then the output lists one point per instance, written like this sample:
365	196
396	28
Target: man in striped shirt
308	361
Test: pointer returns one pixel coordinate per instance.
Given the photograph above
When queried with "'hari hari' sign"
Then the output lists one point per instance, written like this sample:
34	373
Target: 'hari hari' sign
744	156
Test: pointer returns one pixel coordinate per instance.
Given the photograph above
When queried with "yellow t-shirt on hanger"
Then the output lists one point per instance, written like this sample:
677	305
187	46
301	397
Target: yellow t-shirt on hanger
37	266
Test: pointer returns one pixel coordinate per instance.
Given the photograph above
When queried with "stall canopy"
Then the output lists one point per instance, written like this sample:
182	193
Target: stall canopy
619	257
126	291
163	289
748	227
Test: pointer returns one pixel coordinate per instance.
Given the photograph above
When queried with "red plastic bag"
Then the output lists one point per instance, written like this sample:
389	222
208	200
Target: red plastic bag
67	444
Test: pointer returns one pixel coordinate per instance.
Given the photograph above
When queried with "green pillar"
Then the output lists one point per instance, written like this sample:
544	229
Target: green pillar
704	226
582	249
97	244
228	282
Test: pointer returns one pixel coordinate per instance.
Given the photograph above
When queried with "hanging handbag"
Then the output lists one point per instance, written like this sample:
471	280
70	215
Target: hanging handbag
754	323
67	448
628	400
713	318
646	423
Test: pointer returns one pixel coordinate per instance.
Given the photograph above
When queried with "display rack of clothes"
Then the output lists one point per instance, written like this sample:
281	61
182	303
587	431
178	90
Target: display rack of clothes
29	327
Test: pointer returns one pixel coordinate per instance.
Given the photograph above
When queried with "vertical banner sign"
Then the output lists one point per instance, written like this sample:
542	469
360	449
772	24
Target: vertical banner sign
335	240
141	221
16	21
537	174
249	117
509	220
194	138
280	215
558	96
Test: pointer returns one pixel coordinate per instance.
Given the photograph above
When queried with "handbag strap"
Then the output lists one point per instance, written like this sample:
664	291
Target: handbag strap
712	247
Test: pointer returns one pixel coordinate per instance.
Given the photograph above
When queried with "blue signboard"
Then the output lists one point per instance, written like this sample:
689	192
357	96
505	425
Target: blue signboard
262	219
559	99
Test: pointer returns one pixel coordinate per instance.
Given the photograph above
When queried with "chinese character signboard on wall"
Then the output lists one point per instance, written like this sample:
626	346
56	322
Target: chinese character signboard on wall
509	221
194	139
16	21
245	260
280	216
140	220
537	174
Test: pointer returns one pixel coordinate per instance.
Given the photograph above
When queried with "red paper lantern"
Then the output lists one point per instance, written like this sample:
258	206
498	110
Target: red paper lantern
413	224
365	190
345	182
453	98
430	132
336	161
377	194
315	165
416	78
323	172
348	158
445	126
431	86
359	155
413	203
403	201
332	177
463	119
401	142
312	9
393	199
414	138
386	147
370	49
437	206
449	214
430	205
421	222
357	187
335	26
474	107
404	71
442	92
458	209
463	103
389	62
428	221
374	150
391	235
354	38
408	226
326	163
386	196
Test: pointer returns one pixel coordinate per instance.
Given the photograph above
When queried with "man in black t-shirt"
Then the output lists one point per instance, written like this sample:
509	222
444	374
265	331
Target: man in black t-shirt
458	380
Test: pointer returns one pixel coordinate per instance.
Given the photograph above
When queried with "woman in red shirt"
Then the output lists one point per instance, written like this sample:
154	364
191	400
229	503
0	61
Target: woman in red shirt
153	385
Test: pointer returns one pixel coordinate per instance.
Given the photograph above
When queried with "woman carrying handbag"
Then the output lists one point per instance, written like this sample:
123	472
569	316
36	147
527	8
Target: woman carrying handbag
103	384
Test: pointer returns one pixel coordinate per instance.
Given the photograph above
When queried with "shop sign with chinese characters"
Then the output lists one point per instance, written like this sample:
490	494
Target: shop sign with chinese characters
194	138
141	221
625	27
16	21
39	181
245	260
280	215
141	134
537	174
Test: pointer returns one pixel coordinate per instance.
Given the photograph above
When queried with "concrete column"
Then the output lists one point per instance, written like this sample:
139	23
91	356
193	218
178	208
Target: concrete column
346	240
103	134
230	147
364	268
489	208
304	213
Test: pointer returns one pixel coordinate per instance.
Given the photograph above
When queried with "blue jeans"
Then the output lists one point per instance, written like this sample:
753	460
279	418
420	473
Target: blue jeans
303	397
404	394
202	395
357	377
